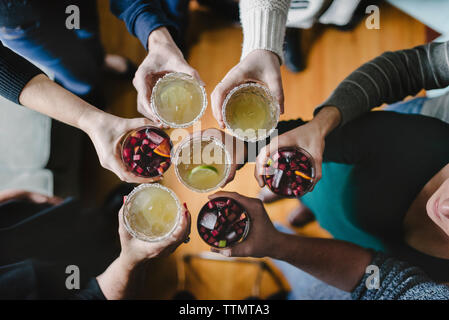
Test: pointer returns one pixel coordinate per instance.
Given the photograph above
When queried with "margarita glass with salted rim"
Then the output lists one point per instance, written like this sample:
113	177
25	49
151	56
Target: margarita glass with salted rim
151	212
250	112
178	100
202	163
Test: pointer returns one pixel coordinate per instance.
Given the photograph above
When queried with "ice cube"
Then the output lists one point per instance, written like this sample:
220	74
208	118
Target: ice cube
232	236
208	221
278	174
287	154
154	137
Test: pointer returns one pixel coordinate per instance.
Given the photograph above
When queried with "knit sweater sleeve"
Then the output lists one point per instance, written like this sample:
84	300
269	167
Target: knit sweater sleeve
15	73
400	281
263	23
390	78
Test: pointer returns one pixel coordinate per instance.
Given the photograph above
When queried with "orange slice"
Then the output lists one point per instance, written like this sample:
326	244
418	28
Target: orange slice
163	149
299	173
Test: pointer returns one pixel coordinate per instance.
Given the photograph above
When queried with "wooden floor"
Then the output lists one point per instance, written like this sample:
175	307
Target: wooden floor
331	55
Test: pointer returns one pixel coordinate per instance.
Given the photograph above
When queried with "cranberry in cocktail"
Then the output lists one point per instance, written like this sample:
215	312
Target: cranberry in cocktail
146	152
290	172
223	222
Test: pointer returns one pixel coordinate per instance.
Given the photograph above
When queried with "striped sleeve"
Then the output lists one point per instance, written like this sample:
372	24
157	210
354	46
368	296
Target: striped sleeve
15	73
399	281
391	77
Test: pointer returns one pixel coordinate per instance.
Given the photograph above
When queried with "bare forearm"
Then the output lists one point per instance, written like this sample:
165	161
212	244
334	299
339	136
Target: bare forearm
340	264
45	96
327	119
159	36
114	281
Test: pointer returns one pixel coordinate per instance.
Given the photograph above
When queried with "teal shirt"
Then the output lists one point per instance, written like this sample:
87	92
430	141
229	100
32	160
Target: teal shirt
334	207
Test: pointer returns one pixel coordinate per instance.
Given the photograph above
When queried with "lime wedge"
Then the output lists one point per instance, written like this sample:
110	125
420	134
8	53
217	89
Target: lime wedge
203	174
203	170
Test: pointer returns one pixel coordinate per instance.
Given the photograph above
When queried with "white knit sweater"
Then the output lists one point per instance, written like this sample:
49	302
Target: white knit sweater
263	23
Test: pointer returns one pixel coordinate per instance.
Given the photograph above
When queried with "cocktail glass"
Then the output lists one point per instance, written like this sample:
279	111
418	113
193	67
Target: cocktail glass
290	172
250	112
202	163
151	212
178	100
222	222
146	152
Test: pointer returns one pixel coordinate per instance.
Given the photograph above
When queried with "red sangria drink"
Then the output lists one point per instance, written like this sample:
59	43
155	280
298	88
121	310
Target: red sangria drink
290	172
146	152
223	222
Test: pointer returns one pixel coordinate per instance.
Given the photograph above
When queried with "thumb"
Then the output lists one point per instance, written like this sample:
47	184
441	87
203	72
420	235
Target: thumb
275	86
140	122
231	80
196	75
223	252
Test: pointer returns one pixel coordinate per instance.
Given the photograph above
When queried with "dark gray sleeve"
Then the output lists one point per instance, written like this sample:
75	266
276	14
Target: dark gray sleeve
35	280
15	73
400	281
390	78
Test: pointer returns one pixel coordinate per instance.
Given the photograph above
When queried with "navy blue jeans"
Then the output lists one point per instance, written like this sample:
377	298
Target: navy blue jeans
37	31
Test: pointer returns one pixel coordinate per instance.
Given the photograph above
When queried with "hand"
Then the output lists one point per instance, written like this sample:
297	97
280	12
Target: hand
115	281
33	197
236	148
163	57
258	65
106	134
262	236
135	250
306	136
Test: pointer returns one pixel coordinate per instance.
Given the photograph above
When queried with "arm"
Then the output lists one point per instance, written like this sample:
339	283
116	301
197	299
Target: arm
263	23
400	281
338	263
343	265
142	17
32	279
163	57
148	21
105	130
390	78
15	73
38	198
117	279
21	82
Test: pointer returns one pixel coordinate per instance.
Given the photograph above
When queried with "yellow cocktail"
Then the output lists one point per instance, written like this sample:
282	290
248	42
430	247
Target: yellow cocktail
151	212
202	163
250	112
178	100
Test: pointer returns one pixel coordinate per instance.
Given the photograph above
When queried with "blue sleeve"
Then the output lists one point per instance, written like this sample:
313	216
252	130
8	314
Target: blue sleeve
142	17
